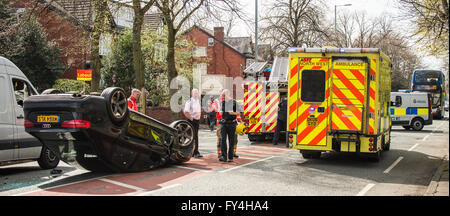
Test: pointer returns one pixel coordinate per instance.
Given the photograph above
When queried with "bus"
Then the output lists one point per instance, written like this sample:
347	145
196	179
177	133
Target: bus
433	82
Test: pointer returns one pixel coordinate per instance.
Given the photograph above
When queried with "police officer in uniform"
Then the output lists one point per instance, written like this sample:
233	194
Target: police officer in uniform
281	121
228	126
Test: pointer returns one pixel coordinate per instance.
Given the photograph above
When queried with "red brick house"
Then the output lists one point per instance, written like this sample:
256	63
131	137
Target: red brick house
224	60
65	29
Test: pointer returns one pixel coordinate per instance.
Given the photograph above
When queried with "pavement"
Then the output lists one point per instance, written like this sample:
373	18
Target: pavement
439	182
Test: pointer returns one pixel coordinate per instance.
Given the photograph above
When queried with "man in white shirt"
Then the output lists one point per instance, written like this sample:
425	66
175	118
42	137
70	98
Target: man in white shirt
192	111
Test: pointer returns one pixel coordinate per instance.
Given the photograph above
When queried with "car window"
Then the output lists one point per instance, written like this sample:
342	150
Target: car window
22	90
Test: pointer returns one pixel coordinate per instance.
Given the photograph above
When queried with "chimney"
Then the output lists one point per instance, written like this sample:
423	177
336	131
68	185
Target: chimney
218	33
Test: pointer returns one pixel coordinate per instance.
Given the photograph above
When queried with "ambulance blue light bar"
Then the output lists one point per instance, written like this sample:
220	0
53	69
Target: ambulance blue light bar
333	50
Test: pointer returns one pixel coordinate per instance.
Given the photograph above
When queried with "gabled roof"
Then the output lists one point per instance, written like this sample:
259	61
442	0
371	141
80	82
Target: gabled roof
242	44
82	10
216	39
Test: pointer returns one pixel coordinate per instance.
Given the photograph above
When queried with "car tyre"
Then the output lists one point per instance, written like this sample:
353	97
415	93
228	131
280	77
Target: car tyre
184	144
47	160
116	104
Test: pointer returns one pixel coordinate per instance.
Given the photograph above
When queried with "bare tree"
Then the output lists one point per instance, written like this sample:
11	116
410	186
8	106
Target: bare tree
100	25
291	23
176	13
431	18
140	8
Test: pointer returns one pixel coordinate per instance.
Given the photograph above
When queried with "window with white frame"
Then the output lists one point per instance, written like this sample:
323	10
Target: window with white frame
199	51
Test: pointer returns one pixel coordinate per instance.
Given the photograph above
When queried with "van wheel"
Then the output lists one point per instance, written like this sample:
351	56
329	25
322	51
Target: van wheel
417	124
48	160
375	157
387	146
311	154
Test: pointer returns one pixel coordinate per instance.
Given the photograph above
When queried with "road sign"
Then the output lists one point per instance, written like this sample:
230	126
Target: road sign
84	75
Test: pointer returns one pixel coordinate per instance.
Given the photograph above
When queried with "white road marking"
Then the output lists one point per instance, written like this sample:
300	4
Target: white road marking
365	189
192	168
160	189
414	146
122	184
236	167
393	165
426	137
61	185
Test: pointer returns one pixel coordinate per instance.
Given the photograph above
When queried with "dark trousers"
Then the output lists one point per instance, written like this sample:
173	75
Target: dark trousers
227	130
212	120
281	126
195	123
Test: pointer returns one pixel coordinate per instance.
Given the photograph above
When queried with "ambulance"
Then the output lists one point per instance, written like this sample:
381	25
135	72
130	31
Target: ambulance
339	100
411	110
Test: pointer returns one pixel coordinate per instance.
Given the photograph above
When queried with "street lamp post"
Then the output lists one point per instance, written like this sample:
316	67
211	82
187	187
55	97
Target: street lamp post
256	30
335	10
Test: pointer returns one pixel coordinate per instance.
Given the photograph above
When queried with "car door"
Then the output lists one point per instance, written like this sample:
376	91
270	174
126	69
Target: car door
7	150
29	147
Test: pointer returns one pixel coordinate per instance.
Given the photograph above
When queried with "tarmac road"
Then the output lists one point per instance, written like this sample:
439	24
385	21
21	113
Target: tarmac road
261	169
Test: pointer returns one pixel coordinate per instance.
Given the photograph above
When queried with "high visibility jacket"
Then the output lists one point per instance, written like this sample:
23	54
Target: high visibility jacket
132	103
219	116
213	106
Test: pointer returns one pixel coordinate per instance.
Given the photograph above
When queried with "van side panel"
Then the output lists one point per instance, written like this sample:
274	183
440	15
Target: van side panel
413	105
6	117
28	146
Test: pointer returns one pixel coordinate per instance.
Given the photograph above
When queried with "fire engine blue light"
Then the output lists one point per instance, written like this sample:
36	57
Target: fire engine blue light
292	50
341	50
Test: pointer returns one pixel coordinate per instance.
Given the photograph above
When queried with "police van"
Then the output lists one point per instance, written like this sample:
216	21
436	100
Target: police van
16	145
411	110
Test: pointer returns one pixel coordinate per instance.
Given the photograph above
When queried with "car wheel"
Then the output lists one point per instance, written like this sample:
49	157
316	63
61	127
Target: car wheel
116	104
417	124
48	160
183	144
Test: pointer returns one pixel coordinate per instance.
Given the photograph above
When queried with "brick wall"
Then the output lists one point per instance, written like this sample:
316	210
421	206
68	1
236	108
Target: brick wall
223	60
163	114
70	38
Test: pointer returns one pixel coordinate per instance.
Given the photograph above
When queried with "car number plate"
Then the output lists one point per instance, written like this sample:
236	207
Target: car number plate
48	119
312	121
253	121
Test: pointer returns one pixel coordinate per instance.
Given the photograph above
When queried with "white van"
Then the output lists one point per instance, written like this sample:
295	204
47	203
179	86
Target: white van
411	110
15	144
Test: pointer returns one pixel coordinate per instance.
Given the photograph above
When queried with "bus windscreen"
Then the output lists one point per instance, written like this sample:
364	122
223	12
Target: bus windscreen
427	77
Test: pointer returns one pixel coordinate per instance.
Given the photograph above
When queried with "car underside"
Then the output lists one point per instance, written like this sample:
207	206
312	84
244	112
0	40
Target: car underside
100	133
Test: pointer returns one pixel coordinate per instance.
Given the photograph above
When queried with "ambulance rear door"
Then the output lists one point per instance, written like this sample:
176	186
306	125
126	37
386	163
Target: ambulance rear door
348	93
313	101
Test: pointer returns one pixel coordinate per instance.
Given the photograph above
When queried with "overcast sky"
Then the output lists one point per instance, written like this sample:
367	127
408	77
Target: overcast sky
373	8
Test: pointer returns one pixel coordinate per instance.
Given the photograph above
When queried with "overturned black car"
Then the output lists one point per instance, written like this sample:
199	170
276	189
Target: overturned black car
100	133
